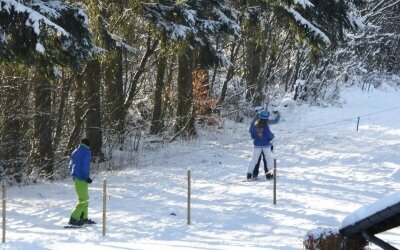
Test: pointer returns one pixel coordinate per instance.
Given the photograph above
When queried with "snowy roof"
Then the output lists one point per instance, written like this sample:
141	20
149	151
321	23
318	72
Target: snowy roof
375	213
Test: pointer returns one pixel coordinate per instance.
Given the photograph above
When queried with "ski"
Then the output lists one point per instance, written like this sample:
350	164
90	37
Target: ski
255	180
73	226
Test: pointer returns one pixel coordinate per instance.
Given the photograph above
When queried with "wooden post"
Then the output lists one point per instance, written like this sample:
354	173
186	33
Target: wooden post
188	197
274	181
358	122
104	205
98	162
4	213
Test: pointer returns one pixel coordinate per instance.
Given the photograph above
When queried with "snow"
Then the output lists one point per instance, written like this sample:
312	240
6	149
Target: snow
35	18
304	3
326	171
40	48
300	82
84	16
317	32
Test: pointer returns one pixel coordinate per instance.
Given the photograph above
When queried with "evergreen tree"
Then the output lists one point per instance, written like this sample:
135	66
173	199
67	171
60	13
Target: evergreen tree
52	30
193	25
41	35
320	23
379	42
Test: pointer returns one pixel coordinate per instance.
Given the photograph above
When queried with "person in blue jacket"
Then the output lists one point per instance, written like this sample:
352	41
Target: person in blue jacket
262	136
270	121
80	171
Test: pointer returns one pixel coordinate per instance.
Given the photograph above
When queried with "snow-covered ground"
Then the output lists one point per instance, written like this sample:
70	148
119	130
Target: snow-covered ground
326	170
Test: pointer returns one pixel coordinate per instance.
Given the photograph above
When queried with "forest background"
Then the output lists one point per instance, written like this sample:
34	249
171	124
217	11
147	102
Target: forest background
130	73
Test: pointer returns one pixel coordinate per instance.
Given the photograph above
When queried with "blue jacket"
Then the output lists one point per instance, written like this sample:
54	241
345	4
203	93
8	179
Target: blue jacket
264	140
270	122
80	163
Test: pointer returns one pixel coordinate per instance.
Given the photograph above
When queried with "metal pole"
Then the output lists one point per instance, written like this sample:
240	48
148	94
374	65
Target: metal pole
358	122
104	205
382	244
188	197
274	181
4	213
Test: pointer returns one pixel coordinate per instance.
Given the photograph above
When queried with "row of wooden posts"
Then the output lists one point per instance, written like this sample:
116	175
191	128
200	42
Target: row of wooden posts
105	201
105	198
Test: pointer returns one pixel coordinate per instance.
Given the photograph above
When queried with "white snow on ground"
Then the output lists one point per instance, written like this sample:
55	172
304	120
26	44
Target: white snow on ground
325	172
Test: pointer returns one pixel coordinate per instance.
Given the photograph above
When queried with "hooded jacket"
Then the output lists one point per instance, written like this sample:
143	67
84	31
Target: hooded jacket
80	163
261	135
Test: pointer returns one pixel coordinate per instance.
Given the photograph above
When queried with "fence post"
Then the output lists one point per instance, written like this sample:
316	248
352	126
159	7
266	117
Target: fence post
98	162
358	122
4	213
104	205
188	197
274	181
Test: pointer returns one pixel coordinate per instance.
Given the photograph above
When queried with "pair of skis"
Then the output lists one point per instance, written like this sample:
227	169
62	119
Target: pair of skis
75	226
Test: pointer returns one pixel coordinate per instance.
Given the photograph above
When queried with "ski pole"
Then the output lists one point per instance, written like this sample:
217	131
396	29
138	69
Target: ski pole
4	214
188	198
104	206
274	181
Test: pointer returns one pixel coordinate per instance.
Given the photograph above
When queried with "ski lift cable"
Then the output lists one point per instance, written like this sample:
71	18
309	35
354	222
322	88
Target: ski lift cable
288	131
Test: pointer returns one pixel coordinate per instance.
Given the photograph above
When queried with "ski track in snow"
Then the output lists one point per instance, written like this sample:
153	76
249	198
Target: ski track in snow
324	173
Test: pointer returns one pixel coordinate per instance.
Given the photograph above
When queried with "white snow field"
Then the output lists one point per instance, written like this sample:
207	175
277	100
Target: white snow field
326	170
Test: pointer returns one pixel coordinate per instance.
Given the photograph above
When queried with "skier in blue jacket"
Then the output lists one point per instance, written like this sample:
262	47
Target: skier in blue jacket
261	135
80	171
270	121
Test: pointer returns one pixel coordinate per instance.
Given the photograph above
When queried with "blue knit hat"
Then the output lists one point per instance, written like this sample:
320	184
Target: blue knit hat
263	115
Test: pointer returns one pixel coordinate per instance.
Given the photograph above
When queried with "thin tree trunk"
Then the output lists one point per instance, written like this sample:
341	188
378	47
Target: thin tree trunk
252	58
93	118
230	73
114	92
79	115
157	119
142	67
66	85
185	113
168	93
43	127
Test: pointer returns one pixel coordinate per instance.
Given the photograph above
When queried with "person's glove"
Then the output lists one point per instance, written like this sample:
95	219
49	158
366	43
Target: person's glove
89	180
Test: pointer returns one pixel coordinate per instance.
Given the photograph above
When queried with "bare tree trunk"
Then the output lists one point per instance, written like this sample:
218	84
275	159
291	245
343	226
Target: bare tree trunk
66	85
168	93
114	92
157	119
253	61
43	127
185	113
151	46
229	74
79	115
93	118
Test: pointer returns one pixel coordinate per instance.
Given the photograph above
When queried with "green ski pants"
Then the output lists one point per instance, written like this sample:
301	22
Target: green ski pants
81	208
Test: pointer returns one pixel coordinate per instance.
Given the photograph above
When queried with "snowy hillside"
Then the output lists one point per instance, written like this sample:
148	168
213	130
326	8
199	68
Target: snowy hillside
326	170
